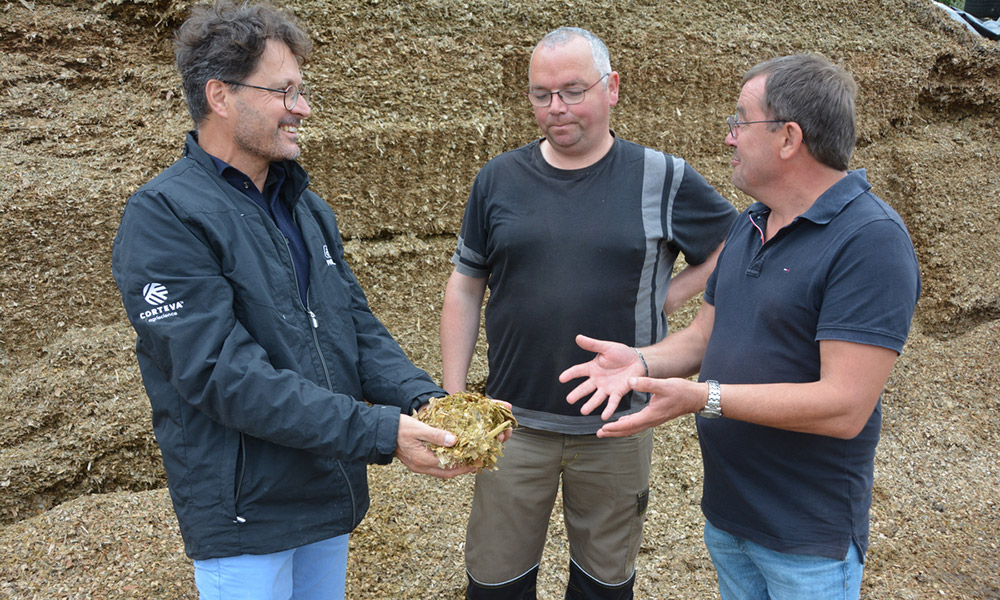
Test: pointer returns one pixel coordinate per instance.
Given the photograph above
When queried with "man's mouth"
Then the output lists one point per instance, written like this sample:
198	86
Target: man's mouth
289	128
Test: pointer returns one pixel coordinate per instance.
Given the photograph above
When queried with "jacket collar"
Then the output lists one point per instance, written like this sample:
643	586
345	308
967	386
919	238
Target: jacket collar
298	179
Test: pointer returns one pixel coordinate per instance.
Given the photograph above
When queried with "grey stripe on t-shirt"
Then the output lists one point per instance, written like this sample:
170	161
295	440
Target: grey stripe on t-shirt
650	324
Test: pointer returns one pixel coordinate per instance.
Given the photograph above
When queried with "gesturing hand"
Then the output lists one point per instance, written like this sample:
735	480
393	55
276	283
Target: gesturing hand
669	399
607	375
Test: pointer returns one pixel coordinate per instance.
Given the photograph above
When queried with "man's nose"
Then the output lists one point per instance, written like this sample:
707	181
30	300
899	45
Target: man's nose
556	104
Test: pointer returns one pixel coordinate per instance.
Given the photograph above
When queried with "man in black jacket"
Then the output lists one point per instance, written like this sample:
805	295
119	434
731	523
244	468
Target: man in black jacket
272	384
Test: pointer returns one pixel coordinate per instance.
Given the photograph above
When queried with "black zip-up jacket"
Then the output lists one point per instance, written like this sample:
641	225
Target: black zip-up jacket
266	411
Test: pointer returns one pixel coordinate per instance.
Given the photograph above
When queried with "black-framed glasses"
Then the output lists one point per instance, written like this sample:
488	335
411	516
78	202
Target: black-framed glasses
574	95
735	123
290	95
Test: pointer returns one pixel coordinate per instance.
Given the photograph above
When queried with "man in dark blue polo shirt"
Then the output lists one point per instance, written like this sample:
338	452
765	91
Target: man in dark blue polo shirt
803	318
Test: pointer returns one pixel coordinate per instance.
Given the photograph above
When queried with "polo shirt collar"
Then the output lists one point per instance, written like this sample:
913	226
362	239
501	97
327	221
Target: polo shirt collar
830	203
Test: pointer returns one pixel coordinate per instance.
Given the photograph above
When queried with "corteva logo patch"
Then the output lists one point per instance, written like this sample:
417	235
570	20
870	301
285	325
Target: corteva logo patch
156	295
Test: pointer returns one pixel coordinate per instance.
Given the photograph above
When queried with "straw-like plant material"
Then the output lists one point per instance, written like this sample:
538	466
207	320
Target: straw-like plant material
410	99
476	421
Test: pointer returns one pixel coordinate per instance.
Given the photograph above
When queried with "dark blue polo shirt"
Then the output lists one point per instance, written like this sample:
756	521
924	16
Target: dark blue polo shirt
271	202
844	270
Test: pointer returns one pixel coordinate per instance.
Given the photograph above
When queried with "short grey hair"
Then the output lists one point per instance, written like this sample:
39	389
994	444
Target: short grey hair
565	35
810	90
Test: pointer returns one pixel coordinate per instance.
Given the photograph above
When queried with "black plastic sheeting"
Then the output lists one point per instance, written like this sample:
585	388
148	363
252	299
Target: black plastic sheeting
986	28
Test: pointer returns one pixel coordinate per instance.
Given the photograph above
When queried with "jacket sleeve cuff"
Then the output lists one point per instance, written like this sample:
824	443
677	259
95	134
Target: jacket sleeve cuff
423	399
386	433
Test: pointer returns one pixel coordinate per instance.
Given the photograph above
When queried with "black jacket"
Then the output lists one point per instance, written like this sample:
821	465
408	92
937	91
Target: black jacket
259	402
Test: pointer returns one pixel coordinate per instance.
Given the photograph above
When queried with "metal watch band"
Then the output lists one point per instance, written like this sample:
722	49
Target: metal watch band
713	408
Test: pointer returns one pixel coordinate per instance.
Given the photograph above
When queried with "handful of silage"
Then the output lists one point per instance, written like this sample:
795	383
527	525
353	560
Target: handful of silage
476	421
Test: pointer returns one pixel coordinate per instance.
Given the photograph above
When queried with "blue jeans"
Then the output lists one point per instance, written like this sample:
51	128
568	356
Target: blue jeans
749	571
312	572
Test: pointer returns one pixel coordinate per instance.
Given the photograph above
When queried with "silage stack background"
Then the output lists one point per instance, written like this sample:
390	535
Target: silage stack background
411	98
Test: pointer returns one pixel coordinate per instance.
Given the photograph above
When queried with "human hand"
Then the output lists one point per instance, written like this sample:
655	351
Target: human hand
411	451
607	375
670	399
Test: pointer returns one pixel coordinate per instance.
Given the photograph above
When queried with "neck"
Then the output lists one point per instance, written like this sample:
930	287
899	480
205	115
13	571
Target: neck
221	146
796	194
569	162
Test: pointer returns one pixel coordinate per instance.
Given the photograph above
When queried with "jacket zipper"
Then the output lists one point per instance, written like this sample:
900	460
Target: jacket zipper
239	480
322	360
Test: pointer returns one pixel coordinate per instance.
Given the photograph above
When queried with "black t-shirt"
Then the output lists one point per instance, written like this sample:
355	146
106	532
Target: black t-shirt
582	251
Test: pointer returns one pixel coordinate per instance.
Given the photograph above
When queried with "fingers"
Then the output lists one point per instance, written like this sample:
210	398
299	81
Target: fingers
587	387
626	426
591	344
433	435
412	452
583	369
596	400
503	437
506	433
417	458
664	405
645	384
448	473
609	410
574	372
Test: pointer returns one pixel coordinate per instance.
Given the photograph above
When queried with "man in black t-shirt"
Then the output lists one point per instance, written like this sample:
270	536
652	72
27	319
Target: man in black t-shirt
575	232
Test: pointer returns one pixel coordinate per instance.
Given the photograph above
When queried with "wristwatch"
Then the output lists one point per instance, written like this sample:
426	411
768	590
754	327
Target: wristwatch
714	406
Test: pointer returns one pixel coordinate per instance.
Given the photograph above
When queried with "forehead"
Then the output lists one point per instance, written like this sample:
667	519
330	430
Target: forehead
751	100
277	64
557	66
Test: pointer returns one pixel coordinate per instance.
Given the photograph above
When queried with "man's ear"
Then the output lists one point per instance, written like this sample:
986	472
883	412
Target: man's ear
613	88
792	141
217	95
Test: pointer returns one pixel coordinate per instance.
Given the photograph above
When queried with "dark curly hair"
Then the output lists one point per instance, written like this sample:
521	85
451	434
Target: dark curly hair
225	41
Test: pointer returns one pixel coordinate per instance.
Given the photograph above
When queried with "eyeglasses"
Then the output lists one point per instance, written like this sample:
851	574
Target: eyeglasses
290	94
568	96
734	123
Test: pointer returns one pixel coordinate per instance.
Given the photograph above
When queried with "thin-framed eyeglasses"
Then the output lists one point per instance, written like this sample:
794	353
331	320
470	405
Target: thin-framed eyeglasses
573	95
290	95
735	123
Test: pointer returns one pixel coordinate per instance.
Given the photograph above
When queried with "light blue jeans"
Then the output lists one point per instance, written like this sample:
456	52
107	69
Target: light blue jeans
312	572
749	571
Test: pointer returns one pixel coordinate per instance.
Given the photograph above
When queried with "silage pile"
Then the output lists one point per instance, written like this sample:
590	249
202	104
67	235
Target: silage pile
411	99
